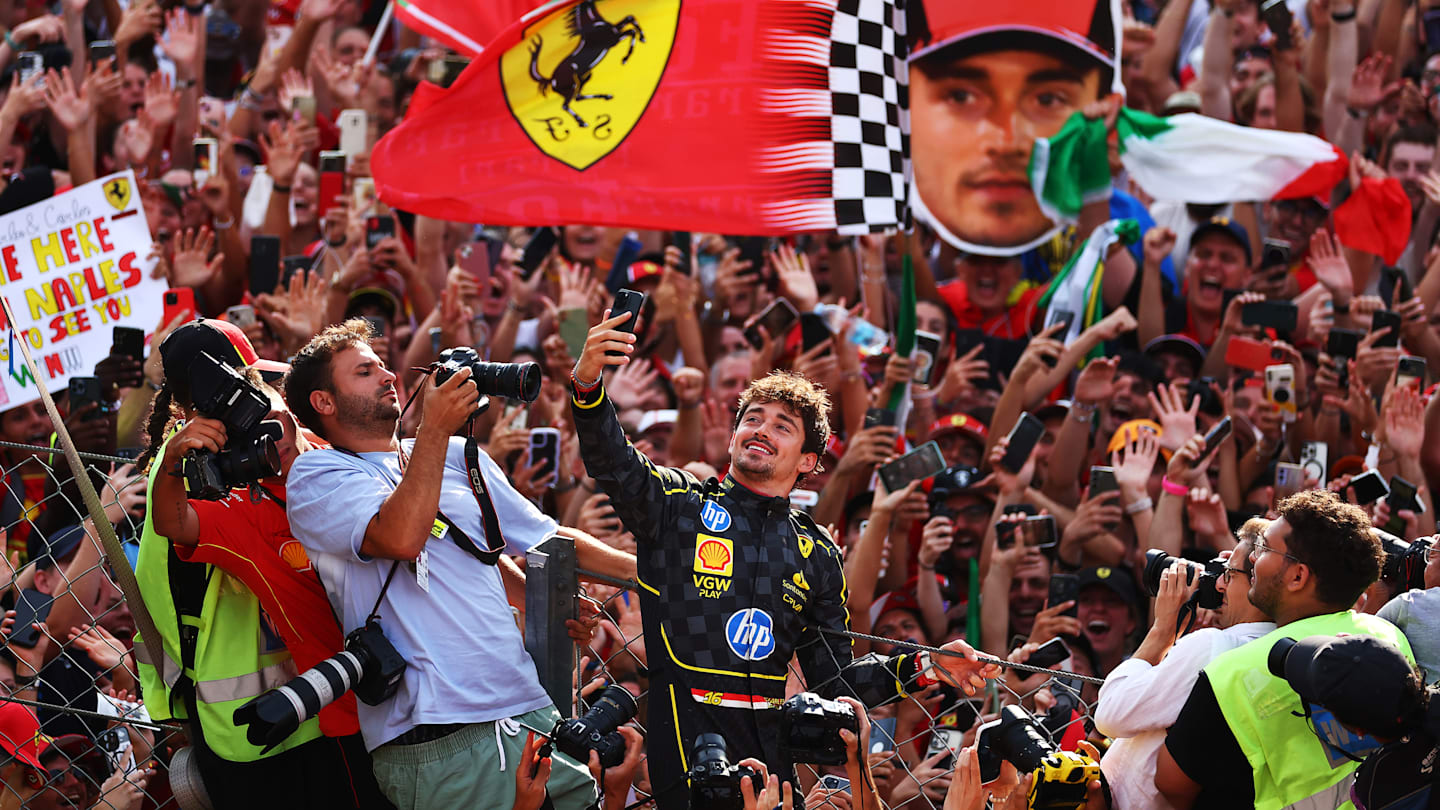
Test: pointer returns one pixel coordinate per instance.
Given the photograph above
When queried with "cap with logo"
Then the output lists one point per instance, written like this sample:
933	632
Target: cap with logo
1089	27
963	423
643	269
1116	580
20	734
1366	682
222	340
1227	227
1130	431
895	600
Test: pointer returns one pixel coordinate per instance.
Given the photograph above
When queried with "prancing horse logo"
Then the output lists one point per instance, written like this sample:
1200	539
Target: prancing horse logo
595	37
578	83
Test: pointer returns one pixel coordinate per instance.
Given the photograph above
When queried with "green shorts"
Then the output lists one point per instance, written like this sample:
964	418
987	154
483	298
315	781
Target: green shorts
464	769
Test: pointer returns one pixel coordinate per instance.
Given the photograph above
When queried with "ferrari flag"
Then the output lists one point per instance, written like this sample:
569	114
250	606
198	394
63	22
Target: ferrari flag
732	116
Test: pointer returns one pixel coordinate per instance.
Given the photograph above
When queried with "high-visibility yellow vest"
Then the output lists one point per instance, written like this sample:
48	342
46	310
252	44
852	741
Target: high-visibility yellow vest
1288	762
236	657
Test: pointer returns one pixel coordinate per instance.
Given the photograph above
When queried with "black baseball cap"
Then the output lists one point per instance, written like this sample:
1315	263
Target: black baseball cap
48	552
1228	227
1366	682
1116	580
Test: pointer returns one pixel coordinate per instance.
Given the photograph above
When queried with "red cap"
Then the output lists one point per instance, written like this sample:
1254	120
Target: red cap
643	269
20	734
960	421
1083	24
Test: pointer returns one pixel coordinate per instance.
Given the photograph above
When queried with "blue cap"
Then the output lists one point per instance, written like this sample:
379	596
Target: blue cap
1230	228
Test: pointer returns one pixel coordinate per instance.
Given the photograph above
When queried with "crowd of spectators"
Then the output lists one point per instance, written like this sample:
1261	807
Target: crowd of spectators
1133	397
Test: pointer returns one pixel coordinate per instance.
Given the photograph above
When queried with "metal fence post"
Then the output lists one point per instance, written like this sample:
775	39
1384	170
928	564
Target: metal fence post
550	586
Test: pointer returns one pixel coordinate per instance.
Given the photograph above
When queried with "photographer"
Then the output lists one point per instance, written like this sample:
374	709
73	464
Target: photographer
445	737
1415	613
1307	570
1378	708
245	536
733	581
1142	696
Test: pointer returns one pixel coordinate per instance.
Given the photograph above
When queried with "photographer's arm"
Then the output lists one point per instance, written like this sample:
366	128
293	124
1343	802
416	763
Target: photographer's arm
593	555
170	509
401	528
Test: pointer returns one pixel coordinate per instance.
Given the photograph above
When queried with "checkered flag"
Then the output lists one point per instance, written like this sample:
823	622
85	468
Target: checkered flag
842	115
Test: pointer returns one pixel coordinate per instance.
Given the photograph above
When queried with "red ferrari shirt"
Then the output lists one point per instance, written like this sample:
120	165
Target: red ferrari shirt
252	542
1013	324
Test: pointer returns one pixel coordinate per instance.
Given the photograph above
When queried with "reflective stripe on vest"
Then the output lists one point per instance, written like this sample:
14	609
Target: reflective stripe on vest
1289	763
240	687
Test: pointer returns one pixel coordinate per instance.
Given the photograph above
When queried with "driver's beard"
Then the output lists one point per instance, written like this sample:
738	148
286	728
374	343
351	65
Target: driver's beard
375	417
757	470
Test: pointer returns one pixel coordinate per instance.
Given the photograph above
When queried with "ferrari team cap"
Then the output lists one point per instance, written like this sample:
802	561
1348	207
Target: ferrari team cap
1086	25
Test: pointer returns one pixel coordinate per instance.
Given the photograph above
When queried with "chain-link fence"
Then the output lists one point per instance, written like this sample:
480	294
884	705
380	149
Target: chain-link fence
913	739
70	706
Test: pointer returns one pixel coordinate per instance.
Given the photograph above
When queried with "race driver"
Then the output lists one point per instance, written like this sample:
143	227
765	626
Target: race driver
732	580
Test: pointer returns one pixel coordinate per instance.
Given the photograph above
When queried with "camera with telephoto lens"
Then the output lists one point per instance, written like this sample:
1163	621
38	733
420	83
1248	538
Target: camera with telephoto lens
714	782
810	729
519	381
595	730
1404	568
1206	595
1061	777
220	392
370	666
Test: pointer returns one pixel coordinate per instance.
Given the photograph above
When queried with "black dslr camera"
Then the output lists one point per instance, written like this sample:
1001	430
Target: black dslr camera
714	782
810	729
1206	595
595	730
519	381
1061	777
220	392
1404	568
369	665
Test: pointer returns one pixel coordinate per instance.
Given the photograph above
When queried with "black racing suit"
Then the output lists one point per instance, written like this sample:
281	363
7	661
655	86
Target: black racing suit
732	583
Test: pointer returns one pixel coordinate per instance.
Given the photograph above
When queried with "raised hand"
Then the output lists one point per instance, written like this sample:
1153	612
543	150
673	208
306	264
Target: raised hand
797	283
1177	422
1096	382
1368	88
162	103
1327	259
70	107
182	41
189	267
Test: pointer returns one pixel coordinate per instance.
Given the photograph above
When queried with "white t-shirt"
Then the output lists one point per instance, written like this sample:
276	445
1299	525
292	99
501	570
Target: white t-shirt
467	660
1138	703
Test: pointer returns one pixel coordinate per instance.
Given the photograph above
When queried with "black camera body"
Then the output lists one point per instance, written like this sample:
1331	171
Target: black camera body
369	665
381	665
1061	778
595	730
220	392
1404	568
519	381
810	729
714	782
1207	595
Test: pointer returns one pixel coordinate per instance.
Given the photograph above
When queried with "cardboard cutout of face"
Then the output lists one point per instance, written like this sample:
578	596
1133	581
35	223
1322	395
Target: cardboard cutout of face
985	83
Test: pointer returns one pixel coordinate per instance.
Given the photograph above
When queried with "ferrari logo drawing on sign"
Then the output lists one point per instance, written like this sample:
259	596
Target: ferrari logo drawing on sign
588	74
117	192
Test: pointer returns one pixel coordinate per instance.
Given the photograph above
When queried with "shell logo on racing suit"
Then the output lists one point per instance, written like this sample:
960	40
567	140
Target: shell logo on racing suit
750	634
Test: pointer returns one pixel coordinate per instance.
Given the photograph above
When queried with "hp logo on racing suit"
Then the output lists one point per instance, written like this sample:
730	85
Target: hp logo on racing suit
750	633
714	517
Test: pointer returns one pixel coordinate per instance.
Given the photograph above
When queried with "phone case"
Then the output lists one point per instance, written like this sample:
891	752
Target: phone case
1248	353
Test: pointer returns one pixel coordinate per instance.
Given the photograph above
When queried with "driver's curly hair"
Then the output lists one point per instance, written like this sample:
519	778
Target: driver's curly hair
808	400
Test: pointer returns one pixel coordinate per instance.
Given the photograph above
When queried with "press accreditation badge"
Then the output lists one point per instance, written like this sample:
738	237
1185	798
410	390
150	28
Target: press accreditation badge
422	570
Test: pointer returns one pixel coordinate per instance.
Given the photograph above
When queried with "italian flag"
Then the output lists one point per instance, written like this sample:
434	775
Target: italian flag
1191	158
1076	289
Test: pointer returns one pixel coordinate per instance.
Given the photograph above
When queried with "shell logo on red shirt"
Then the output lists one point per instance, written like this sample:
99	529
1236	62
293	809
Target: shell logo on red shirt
294	555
